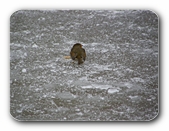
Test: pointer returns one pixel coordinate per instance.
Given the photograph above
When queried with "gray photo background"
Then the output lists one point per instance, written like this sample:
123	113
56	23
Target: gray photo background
117	82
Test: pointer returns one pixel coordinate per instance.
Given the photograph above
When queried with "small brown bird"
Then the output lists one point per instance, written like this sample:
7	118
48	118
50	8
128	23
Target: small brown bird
78	53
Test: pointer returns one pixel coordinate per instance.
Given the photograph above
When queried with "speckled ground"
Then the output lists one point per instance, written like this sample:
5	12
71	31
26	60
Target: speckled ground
117	82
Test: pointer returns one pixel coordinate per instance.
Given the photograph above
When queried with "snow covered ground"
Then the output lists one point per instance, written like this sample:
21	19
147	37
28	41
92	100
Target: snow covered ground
117	82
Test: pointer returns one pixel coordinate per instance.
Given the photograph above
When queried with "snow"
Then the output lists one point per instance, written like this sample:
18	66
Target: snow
118	80
111	91
34	45
23	70
133	97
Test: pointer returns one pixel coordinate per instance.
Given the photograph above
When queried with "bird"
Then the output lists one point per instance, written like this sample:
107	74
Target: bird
78	53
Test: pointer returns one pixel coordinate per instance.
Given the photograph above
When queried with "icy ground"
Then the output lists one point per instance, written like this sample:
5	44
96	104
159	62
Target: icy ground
118	81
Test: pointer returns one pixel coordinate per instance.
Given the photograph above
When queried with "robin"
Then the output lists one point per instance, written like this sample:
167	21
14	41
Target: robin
78	53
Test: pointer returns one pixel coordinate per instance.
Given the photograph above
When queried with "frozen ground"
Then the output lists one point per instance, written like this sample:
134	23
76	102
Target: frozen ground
118	81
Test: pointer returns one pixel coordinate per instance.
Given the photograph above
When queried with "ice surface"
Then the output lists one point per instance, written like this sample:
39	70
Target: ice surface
118	81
